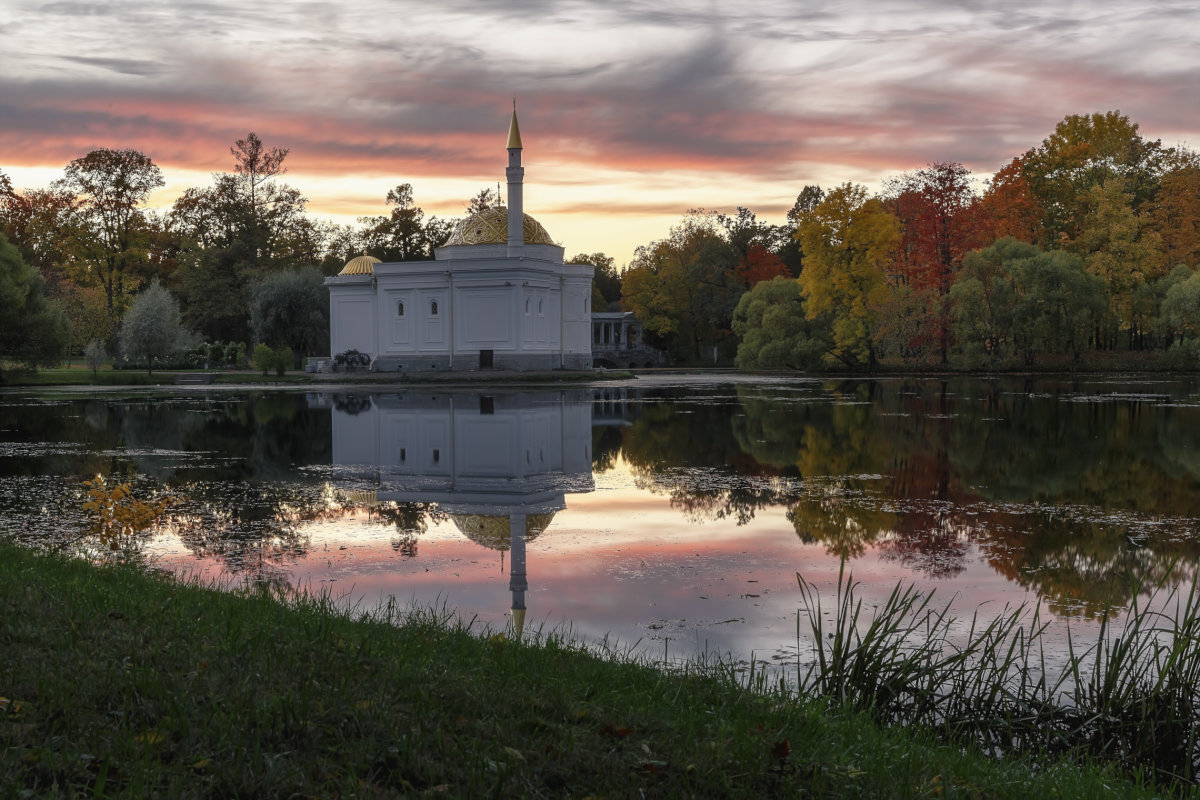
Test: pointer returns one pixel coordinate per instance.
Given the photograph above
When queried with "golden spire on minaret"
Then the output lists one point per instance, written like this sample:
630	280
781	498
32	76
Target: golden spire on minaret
514	131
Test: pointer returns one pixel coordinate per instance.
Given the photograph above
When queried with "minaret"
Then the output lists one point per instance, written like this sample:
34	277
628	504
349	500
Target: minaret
515	174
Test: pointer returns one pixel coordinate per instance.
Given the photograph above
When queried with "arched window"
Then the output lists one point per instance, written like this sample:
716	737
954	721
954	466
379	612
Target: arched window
400	309
539	306
526	305
433	309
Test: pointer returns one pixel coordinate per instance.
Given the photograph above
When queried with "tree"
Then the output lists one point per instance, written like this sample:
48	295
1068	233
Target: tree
487	198
1118	246
684	288
1082	152
111	186
291	309
1013	298
403	235
939	222
775	332
34	332
790	251
94	354
42	224
1009	208
759	264
153	327
606	281
849	243
1174	215
255	165
87	319
1181	309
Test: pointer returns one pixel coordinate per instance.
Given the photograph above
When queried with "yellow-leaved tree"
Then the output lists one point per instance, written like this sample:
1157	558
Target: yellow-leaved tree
849	241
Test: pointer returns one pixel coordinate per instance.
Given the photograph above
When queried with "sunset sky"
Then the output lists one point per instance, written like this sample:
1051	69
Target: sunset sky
631	112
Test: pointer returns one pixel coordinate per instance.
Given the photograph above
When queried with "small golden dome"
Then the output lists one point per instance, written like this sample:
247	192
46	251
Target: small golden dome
362	497
493	532
362	265
490	226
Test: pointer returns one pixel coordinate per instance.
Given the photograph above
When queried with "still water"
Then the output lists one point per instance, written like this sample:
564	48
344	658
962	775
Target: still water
667	515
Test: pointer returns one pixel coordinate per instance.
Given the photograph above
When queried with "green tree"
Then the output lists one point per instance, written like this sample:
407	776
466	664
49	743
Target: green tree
1181	309
487	198
790	251
34	332
403	235
111	186
291	308
849	241
606	282
1014	299
684	288
153	327
255	166
774	330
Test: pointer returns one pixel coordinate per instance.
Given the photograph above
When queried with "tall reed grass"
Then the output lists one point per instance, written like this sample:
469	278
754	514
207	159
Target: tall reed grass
1131	698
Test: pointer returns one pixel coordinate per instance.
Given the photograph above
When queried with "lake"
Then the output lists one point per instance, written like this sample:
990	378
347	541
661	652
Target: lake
667	515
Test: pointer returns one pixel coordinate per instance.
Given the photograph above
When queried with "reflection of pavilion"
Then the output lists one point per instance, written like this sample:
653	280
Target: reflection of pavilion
499	465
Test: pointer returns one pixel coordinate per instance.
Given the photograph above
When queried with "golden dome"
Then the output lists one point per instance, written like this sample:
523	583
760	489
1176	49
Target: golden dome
363	265
493	532
490	226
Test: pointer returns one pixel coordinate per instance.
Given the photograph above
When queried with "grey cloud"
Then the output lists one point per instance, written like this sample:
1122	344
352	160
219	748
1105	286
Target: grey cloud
124	66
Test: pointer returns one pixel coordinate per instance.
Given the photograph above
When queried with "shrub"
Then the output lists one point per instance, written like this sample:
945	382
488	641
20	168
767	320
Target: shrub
283	360
264	358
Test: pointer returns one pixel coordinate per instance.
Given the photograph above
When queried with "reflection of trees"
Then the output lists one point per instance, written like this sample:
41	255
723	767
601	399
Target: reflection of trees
606	446
845	525
934	544
688	451
410	521
253	529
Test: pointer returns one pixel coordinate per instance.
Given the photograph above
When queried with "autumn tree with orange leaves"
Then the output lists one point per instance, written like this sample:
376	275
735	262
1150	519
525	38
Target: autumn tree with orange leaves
940	222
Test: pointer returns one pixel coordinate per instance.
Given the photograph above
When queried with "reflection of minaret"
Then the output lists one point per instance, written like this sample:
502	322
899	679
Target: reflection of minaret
499	466
516	571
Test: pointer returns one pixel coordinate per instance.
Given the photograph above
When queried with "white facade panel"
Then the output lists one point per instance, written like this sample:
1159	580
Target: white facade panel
486	319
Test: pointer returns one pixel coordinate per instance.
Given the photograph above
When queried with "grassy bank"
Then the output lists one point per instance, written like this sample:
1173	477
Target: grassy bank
116	683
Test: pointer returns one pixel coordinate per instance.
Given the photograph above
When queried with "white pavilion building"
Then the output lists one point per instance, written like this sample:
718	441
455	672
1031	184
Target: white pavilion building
497	295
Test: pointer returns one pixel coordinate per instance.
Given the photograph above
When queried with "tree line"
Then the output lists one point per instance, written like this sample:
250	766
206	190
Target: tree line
1087	243
1085	247
84	262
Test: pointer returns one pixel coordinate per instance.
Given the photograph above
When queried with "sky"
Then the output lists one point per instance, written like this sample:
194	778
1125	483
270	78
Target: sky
632	112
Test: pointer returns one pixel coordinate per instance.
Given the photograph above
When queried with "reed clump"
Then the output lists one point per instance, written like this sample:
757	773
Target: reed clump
1130	699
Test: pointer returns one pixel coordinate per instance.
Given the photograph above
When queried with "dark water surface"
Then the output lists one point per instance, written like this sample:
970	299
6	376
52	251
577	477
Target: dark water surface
670	514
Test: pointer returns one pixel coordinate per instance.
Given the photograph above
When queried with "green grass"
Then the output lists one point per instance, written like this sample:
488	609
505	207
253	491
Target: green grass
120	683
1130	699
